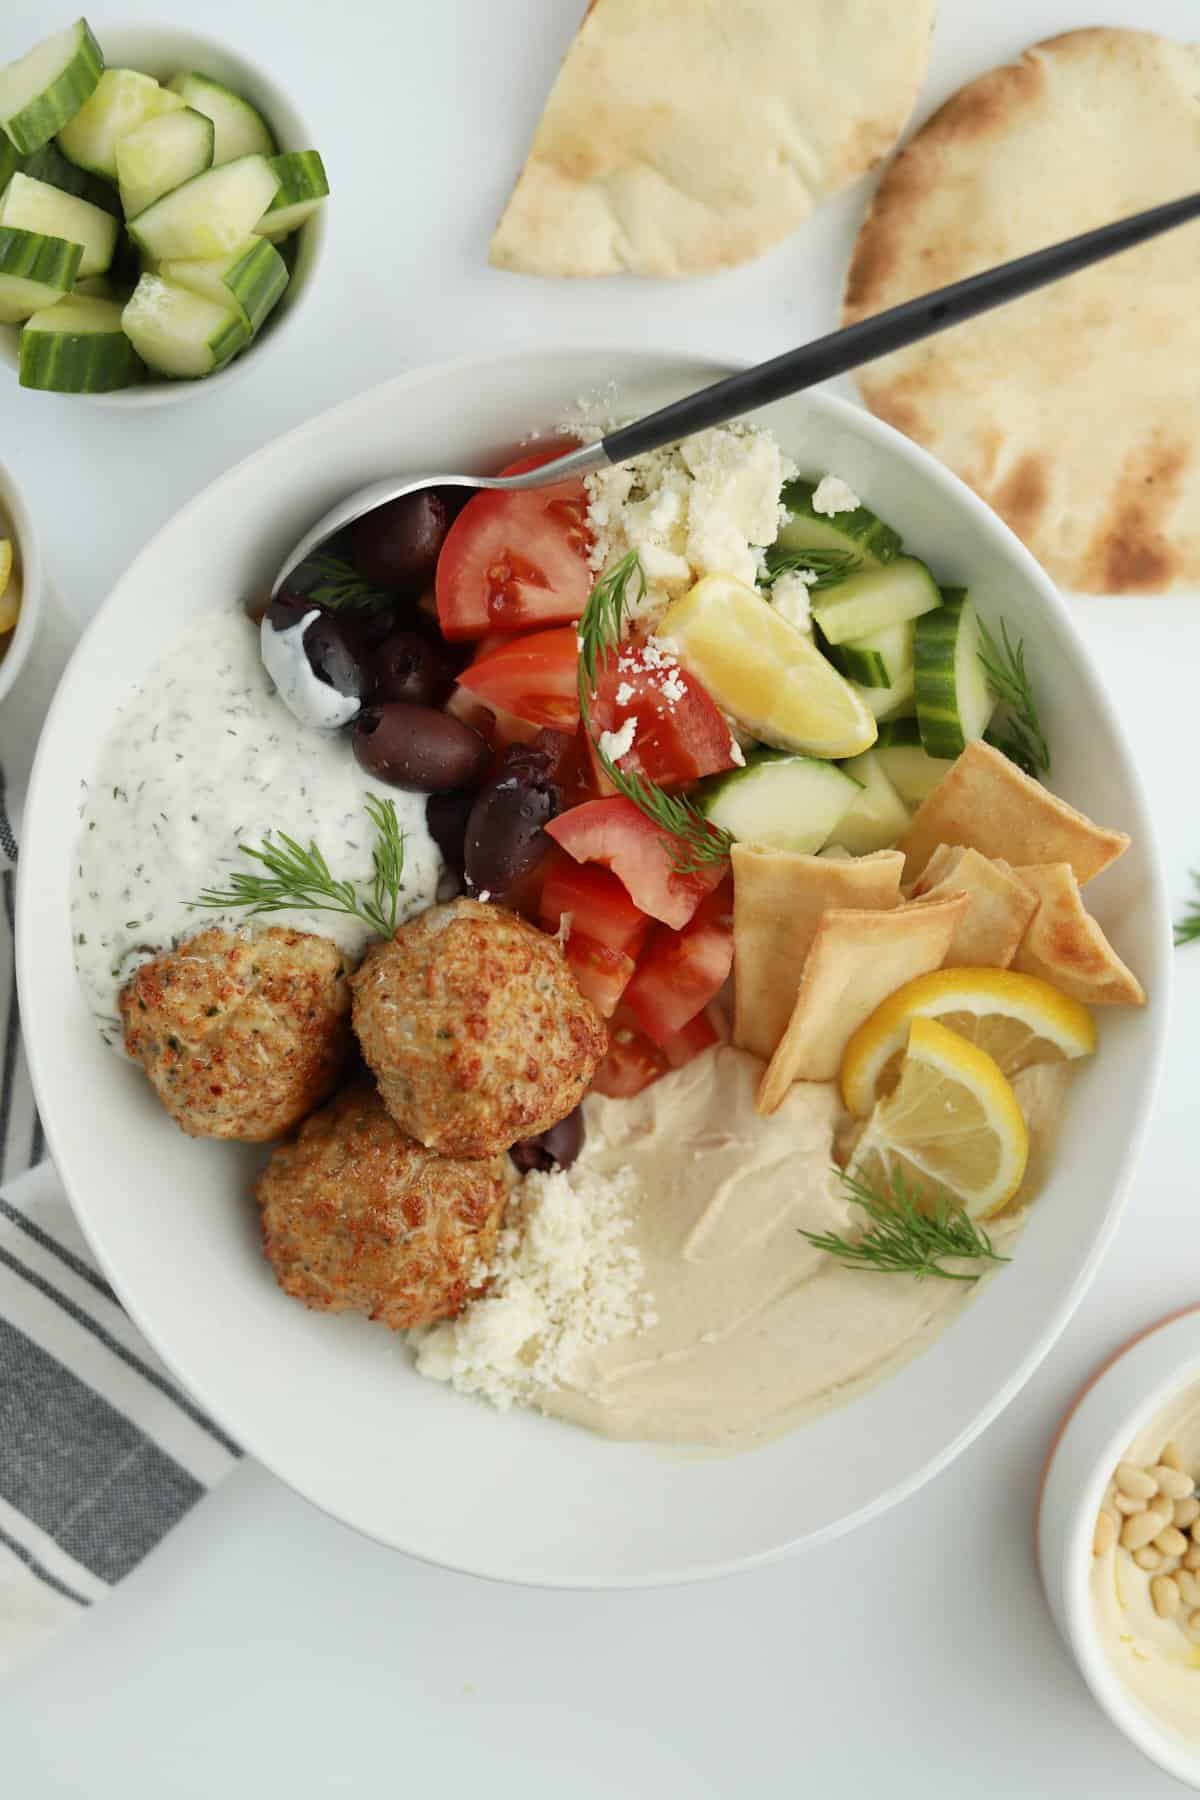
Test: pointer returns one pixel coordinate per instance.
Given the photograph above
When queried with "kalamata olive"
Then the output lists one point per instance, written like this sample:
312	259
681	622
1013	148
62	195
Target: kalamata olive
397	544
410	666
506	836
313	661
446	815
557	1148
418	747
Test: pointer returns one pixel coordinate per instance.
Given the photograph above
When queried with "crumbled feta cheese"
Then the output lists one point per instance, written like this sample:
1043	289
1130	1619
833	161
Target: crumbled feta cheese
624	693
789	597
616	744
673	690
833	496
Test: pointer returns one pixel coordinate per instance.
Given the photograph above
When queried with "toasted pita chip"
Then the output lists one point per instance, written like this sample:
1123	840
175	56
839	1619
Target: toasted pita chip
985	803
999	906
778	899
1066	947
857	959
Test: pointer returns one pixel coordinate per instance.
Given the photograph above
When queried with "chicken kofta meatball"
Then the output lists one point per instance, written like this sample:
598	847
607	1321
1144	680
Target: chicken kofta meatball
241	1035
475	1029
356	1217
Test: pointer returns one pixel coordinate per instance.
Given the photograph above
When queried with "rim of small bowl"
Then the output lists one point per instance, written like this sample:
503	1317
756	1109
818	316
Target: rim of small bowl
291	129
33	580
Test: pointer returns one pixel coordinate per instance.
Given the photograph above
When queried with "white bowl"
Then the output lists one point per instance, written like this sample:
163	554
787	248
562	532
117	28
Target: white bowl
162	51
330	1404
16	523
1120	1399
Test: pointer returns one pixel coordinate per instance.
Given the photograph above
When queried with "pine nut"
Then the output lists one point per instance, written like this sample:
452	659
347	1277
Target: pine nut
1125	1503
1138	1531
1173	1482
1171	1542
1166	1597
1105	1536
1186	1512
1137	1482
1148	1558
1170	1458
1188	1586
1192	1558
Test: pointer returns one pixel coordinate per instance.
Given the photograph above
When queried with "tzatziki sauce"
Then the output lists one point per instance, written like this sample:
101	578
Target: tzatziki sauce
204	757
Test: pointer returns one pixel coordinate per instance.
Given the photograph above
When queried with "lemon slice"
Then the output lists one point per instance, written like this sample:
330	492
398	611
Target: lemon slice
1018	1019
10	599
770	677
952	1123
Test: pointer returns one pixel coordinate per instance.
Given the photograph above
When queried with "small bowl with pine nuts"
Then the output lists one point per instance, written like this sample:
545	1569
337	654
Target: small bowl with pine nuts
1119	1540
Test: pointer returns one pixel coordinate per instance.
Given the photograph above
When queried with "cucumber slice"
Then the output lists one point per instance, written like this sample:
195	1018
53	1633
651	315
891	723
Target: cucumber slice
161	155
954	701
862	539
250	279
781	801
864	603
302	188
10	160
912	773
50	165
210	215
31	205
878	816
240	130
179	333
46	88
35	271
77	347
879	660
123	100
888	702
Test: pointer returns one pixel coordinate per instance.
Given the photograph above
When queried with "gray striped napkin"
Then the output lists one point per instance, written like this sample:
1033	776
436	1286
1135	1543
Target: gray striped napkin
101	1452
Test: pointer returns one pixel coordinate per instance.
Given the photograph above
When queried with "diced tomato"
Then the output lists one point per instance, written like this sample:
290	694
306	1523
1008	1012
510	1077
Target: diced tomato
631	1064
697	1036
602	974
532	676
515	561
680	734
615	834
681	971
498	727
599	906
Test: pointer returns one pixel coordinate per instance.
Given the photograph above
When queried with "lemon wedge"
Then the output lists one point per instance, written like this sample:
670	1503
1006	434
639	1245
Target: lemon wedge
952	1122
770	677
1018	1019
10	599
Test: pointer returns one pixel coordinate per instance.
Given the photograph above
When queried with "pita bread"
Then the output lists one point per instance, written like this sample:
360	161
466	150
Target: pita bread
986	803
778	899
857	959
1066	947
1069	412
999	906
683	136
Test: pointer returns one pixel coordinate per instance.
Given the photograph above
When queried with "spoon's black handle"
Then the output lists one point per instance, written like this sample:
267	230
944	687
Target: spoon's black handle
892	330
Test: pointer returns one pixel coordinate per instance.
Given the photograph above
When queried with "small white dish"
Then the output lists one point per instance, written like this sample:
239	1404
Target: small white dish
1121	1398
162	51
15	523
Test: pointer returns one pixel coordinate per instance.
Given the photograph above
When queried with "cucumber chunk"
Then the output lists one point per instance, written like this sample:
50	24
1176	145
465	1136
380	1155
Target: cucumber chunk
10	160
33	205
912	773
50	165
888	702
77	347
866	602
954	701
160	155
41	92
302	188
210	215
35	271
879	660
179	333
877	817
858	537
781	801
240	130
123	100
249	280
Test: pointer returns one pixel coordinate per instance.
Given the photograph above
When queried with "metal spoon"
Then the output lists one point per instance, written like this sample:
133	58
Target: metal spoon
787	374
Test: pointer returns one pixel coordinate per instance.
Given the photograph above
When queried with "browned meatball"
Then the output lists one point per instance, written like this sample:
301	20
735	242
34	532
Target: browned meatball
356	1217
475	1029
241	1035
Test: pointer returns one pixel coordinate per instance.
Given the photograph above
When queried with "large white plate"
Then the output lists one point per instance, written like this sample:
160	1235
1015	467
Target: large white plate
330	1404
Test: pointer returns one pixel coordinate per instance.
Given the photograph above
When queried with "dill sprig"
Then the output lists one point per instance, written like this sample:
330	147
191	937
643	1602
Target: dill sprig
829	566
907	1236
1187	929
296	877
1004	665
599	632
334	582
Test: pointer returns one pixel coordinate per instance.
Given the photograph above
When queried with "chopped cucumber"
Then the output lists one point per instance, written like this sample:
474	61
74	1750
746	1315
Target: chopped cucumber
123	100
161	155
302	188
32	205
864	541
77	347
179	333
210	215
41	92
888	702
10	160
96	287
912	773
954	701
240	130
781	801
249	280
878	816
879	660
50	165
35	271
866	602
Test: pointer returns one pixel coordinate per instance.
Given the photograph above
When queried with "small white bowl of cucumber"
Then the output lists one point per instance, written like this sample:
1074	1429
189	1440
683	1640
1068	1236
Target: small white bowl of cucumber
161	214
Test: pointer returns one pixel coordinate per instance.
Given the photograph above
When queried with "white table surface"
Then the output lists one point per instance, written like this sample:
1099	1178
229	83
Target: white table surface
265	1648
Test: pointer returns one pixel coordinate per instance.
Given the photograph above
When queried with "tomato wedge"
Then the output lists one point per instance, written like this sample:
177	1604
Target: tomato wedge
631	1064
512	561
602	974
680	734
615	834
681	971
532	677
697	1036
599	907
